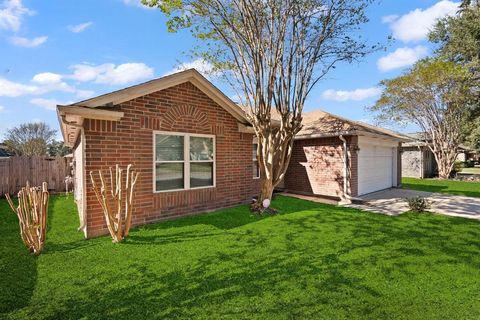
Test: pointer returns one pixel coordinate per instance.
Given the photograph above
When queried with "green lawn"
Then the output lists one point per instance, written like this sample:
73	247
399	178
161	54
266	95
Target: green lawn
471	170
312	261
463	188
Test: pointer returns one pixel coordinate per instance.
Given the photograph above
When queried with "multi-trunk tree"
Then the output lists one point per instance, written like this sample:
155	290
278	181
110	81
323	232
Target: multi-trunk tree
115	196
435	95
272	53
32	212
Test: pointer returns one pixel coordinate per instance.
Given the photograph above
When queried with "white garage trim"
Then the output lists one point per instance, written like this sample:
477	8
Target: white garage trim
377	164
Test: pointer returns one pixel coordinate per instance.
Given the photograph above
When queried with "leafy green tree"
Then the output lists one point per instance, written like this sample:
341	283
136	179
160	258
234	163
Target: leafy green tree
472	130
459	41
435	95
469	3
30	139
272	53
458	36
57	148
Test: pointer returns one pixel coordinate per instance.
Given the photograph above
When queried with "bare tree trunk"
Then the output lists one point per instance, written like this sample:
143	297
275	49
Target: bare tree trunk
445	163
266	190
443	171
118	216
274	153
32	214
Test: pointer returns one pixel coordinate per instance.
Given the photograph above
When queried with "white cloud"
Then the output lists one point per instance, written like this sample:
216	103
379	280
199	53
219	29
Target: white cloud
390	18
45	82
80	27
2	109
109	73
11	14
41	83
13	89
401	57
202	66
28	43
47	78
87	72
415	25
52	82
84	94
136	3
356	95
49	104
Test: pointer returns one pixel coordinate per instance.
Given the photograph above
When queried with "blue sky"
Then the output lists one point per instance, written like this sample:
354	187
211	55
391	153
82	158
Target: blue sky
60	51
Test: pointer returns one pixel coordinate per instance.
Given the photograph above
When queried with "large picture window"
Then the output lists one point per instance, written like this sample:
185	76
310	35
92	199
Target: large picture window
184	161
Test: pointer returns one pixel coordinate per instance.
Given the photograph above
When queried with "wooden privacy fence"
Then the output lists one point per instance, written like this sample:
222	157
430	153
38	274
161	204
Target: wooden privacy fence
16	171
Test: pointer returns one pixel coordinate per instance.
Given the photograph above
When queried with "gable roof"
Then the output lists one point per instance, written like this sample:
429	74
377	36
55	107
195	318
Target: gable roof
71	116
322	124
420	139
142	89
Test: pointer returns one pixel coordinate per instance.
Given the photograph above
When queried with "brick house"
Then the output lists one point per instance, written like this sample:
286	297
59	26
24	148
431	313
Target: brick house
195	150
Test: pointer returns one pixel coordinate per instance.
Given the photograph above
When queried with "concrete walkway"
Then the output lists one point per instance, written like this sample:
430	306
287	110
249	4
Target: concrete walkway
392	202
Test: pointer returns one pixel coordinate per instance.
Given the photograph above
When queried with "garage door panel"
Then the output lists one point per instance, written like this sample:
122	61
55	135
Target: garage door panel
375	168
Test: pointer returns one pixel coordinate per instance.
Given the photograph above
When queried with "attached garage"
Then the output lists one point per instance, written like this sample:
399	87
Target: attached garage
377	164
343	159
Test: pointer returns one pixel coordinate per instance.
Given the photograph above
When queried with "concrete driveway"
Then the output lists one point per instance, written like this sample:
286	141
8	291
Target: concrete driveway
392	202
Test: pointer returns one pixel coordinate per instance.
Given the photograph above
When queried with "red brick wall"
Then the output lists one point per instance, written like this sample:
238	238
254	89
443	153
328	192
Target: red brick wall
316	167
182	108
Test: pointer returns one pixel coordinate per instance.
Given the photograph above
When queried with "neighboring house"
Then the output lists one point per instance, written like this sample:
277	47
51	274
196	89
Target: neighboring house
340	158
195	151
467	154
3	151
418	160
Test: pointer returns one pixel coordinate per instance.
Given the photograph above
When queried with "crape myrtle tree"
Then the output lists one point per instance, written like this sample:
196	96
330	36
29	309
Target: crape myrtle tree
435	95
30	139
272	52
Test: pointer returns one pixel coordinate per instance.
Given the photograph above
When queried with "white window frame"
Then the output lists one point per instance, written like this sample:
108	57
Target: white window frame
255	159
186	160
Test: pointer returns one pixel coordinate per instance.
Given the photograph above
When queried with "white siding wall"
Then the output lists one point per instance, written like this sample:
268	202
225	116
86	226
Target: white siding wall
78	156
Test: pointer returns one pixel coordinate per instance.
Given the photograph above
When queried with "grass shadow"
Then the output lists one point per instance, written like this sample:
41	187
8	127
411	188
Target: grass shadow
237	217
311	261
18	267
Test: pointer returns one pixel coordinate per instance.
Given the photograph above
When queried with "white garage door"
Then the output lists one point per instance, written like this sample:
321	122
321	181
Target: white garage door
376	166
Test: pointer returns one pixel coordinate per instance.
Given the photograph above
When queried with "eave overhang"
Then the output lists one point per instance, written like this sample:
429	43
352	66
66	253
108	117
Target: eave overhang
71	119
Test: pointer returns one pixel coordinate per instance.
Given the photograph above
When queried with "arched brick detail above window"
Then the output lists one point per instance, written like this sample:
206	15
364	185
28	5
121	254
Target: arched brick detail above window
186	116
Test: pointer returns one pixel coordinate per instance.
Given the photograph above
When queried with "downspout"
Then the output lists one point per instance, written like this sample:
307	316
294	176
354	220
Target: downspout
82	226
346	197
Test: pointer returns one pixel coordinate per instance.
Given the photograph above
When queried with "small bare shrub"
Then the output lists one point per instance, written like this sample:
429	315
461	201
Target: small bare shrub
32	215
116	201
418	204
